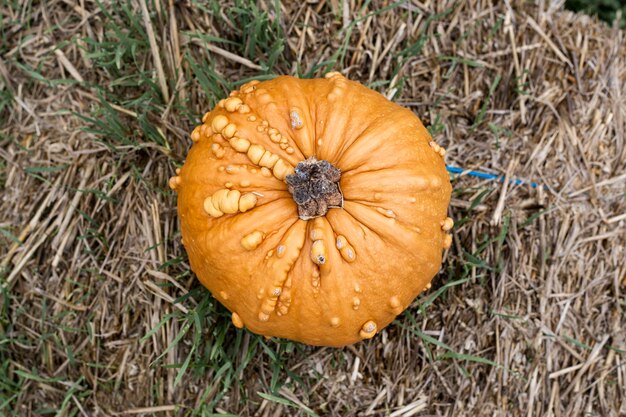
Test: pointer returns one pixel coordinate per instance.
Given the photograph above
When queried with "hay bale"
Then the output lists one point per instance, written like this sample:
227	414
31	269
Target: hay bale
527	316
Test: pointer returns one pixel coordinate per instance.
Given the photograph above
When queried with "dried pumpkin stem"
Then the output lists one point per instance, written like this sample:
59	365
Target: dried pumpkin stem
314	187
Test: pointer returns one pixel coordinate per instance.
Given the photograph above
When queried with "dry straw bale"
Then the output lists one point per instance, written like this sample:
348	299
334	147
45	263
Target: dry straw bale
530	320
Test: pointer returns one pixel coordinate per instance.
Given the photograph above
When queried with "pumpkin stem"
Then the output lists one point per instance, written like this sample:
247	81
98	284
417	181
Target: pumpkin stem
315	188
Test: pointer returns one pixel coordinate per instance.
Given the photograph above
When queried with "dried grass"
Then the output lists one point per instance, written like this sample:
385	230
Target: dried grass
527	318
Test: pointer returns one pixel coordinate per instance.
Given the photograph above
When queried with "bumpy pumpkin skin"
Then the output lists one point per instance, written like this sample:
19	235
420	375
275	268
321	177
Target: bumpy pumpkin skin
260	260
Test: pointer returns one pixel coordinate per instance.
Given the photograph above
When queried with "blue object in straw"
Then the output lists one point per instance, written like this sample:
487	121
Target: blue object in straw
478	174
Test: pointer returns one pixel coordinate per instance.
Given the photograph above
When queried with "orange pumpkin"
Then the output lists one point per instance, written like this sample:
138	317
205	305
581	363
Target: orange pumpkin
314	210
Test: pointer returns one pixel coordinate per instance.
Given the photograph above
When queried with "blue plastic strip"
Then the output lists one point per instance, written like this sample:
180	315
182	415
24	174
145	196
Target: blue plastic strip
500	178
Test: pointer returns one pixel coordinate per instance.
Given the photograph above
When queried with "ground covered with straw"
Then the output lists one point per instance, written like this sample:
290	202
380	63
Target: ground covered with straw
100	315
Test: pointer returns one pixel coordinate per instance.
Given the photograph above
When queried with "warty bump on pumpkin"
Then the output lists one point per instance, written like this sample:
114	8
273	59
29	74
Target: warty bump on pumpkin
314	210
